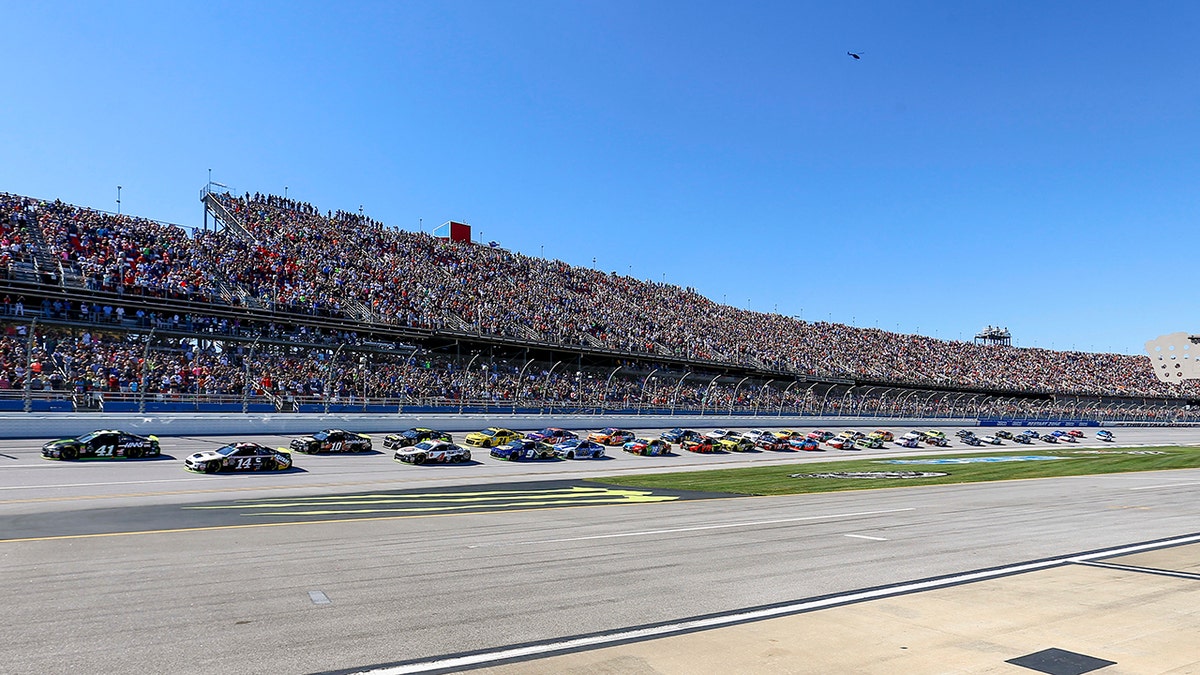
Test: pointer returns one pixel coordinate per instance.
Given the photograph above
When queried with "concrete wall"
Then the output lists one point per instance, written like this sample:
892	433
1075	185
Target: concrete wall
34	425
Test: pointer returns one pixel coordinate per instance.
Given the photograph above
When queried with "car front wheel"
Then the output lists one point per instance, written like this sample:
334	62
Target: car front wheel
212	467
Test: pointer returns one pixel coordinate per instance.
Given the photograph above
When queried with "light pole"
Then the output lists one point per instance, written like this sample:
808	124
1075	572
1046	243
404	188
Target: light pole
118	200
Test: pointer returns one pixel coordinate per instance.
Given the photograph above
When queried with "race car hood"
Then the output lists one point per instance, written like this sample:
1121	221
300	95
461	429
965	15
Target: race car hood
305	439
205	455
61	442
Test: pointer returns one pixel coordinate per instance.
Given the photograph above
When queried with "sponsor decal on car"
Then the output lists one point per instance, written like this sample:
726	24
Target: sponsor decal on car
871	474
973	460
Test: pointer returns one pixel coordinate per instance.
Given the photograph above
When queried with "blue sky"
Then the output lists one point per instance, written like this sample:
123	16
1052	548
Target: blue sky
1025	164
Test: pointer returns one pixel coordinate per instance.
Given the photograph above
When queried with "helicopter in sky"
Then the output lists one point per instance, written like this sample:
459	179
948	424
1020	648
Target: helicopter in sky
857	56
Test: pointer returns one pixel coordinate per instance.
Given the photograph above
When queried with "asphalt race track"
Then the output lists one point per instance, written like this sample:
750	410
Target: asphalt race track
352	561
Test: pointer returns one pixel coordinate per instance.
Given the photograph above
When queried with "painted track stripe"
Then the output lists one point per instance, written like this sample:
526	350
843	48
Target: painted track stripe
519	653
644	533
865	536
1160	487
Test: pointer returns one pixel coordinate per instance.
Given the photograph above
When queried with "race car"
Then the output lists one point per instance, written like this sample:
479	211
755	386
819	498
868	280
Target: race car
576	449
1067	438
524	448
808	444
105	443
857	434
992	440
1076	433
644	446
788	434
884	435
963	432
491	437
871	442
912	435
939	441
414	436
1002	433
771	442
755	434
1023	438
841	443
332	440
825	435
611	436
907	441
934	433
702	445
553	435
972	440
718	434
1049	438
239	457
678	435
735	442
432	452
1105	435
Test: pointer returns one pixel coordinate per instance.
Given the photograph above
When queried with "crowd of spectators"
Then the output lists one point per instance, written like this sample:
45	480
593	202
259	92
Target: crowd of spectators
287	254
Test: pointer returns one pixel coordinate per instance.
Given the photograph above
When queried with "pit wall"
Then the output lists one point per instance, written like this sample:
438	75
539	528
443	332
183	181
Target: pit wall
34	425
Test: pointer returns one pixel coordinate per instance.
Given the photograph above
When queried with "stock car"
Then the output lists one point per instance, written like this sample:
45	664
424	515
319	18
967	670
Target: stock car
935	433
735	442
718	434
964	432
808	444
413	436
772	442
553	435
332	440
576	449
909	441
678	435
754	435
992	440
939	441
1049	438
1026	439
1076	433
1105	435
1067	438
611	436
103	443
788	434
701	445
433	452
823	434
884	435
524	448
841	443
491	437
239	457
1006	435
971	439
871	442
643	446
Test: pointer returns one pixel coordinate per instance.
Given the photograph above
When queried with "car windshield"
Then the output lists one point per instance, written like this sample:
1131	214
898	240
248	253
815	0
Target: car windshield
424	446
88	436
488	432
549	431
676	430
227	450
610	430
321	435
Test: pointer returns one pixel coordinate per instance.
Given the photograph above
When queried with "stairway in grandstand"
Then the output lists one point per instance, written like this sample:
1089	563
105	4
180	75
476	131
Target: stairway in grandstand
41	266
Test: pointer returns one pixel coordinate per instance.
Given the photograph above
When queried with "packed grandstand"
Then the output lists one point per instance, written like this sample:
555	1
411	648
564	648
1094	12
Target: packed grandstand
287	307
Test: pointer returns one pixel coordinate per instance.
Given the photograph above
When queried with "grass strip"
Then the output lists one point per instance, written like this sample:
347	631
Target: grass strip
780	480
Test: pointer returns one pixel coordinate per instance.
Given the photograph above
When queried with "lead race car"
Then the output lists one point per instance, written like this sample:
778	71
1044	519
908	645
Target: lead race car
413	436
332	440
103	443
239	457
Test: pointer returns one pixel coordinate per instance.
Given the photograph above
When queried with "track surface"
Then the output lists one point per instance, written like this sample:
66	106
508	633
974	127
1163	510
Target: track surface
418	585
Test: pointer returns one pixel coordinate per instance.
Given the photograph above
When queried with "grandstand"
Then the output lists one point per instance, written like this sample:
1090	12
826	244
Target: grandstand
286	308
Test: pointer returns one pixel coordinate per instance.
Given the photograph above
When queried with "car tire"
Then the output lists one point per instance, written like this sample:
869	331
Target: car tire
134	453
418	459
467	456
212	467
597	454
69	453
570	454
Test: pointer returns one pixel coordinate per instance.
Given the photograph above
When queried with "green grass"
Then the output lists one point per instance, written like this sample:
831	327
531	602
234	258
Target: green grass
777	480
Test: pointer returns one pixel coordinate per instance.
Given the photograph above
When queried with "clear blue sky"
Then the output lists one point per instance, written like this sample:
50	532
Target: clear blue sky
1026	164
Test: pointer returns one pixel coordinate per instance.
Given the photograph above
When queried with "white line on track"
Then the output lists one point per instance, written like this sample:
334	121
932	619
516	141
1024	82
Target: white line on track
1159	487
863	536
472	660
697	528
119	482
